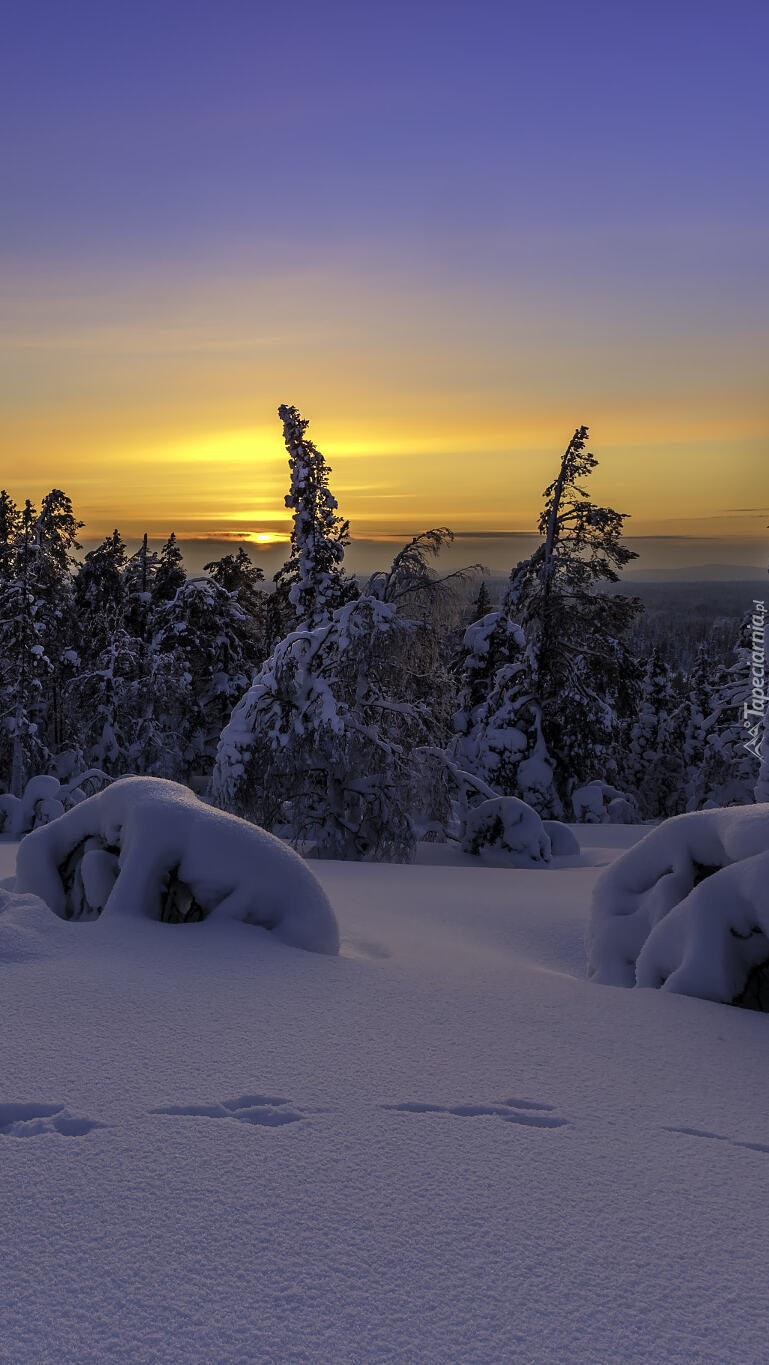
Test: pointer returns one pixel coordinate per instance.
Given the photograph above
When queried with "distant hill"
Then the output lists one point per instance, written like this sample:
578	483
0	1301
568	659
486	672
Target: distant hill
700	573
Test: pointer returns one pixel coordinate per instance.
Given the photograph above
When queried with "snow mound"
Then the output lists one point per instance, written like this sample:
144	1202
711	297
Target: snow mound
563	842
598	803
147	847
687	909
506	832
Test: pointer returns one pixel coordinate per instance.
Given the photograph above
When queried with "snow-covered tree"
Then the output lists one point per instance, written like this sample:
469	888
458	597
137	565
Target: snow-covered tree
497	723
557	690
35	623
696	710
582	673
728	773
655	765
686	909
10	525
329	744
56	531
482	604
100	689
240	577
25	664
199	670
169	572
104	703
312	580
138	583
242	580
322	744
99	592
434	603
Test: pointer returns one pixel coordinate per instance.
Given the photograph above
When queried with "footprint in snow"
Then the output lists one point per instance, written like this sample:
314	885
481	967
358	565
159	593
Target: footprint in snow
262	1111
719	1137
27	1120
527	1113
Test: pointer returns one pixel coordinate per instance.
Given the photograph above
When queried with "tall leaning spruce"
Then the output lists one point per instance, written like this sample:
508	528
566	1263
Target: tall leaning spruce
313	578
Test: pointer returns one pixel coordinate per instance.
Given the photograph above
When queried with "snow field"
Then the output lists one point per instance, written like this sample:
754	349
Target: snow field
444	1144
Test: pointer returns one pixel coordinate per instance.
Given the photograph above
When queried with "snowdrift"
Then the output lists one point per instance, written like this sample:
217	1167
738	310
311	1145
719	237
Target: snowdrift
147	847
687	909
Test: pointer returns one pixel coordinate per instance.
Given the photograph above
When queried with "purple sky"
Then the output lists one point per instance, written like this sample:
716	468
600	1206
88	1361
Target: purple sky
157	127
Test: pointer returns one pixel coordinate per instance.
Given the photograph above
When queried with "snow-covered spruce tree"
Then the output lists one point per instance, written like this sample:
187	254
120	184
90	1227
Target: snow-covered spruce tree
728	773
554	706
56	531
145	684
24	663
696	710
138	587
654	768
104	703
241	579
482	604
199	670
325	746
138	582
238	575
161	661
103	696
312	583
56	540
10	525
496	723
35	624
169	572
99	593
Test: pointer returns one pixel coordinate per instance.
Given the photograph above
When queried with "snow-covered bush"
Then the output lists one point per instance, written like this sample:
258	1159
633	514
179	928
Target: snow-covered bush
147	847
598	803
687	909
507	832
44	799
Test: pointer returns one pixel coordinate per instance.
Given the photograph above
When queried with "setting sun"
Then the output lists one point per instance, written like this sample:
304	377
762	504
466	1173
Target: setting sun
266	538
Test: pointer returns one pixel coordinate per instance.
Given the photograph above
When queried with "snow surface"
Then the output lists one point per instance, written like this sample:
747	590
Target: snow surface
442	1145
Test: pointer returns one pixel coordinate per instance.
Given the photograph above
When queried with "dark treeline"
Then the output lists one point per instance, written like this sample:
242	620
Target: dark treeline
357	717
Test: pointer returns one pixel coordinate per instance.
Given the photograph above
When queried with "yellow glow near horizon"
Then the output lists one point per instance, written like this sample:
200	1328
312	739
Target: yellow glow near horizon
153	403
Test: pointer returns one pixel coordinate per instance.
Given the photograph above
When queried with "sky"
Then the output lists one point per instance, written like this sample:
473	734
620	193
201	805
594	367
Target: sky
449	233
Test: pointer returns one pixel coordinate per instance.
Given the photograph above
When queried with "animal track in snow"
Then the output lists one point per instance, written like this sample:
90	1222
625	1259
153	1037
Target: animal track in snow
263	1111
32	1120
719	1137
528	1113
